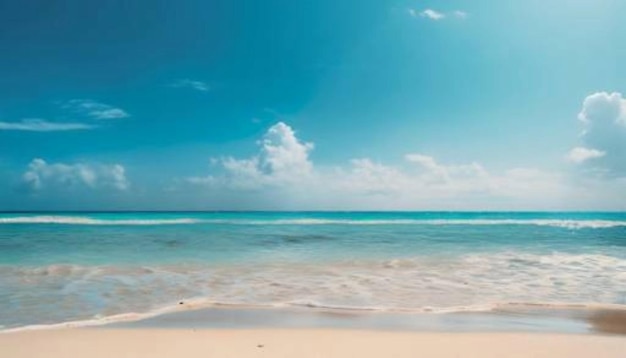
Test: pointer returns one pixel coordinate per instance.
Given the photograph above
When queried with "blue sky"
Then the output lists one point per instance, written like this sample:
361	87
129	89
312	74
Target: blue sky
289	105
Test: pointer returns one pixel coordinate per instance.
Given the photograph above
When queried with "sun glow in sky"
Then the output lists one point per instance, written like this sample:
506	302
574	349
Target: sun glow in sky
287	105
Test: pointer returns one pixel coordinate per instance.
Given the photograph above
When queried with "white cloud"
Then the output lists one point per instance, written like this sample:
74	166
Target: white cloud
41	125
283	154
423	182
282	170
603	116
283	158
437	15
95	109
582	154
193	84
432	14
604	107
82	107
434	172
41	174
111	113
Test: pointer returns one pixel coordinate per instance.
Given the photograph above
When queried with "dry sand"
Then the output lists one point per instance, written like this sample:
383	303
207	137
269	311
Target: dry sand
300	343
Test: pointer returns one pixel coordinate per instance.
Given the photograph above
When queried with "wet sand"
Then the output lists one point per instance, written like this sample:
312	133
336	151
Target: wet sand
242	333
609	321
523	319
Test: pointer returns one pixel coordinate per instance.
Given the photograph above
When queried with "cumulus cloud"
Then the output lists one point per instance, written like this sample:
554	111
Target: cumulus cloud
283	169
283	154
95	110
581	154
193	84
435	15
604	107
283	158
41	125
603	139
41	174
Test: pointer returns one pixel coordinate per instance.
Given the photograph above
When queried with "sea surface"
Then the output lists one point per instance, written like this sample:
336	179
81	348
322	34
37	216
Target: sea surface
90	267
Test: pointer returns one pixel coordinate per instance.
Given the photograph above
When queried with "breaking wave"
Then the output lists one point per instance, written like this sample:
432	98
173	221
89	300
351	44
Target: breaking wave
78	220
473	282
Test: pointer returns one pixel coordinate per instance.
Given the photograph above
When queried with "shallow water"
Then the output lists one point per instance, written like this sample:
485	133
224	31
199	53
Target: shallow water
79	266
553	321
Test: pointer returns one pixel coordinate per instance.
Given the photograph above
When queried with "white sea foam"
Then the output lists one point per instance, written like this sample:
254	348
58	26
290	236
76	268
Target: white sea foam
390	309
569	224
204	304
472	282
78	220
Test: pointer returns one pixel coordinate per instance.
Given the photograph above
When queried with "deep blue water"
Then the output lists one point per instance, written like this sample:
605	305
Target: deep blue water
56	267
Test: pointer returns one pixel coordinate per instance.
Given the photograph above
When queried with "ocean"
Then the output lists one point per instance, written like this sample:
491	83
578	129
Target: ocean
91	267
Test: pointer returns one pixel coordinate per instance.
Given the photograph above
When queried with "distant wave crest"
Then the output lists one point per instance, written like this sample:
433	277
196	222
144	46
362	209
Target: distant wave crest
78	220
570	224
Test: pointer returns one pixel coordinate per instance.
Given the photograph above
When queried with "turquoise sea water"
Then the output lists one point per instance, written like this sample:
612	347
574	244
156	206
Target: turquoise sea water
59	267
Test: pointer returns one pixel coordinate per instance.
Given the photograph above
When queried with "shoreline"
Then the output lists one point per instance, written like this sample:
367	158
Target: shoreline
511	317
304	343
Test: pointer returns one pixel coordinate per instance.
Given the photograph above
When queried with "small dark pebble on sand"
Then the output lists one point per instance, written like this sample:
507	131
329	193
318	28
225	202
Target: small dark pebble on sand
259	346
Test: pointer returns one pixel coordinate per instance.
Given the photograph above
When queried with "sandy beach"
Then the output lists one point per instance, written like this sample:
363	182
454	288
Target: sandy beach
156	343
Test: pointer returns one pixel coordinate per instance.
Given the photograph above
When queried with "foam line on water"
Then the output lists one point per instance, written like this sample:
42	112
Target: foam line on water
416	285
205	304
78	220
